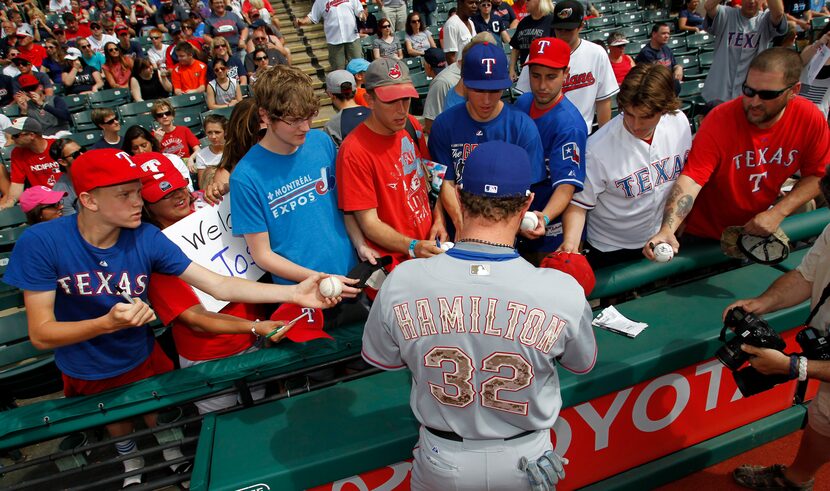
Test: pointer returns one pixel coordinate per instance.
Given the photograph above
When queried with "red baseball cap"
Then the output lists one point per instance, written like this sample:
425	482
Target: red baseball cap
575	265
27	81
39	195
162	176
549	52
308	327
104	167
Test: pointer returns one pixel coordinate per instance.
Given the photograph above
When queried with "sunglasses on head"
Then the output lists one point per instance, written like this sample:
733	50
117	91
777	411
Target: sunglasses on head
162	114
764	95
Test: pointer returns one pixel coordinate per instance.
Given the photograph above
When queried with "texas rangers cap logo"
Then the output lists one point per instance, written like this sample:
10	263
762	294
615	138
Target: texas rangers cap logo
565	13
395	72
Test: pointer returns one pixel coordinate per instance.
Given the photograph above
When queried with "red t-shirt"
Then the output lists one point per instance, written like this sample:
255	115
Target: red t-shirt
622	68
385	173
34	54
742	167
39	169
82	32
179	142
171	296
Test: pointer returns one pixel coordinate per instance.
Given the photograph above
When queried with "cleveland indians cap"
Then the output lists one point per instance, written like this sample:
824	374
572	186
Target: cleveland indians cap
21	124
103	167
549	52
568	14
162	177
389	79
485	68
497	169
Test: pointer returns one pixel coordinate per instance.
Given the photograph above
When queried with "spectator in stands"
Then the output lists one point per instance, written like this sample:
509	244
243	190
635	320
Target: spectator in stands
386	44
24	67
261	61
538	23
657	51
563	141
178	140
129	47
41	204
120	15
31	163
93	356
91	58
189	76
621	63
798	15
54	61
446	82
138	140
64	151
740	34
40	29
182	34
459	29
394	216
215	126
340	86
689	20
142	14
99	10
107	121
148	82
483	118
74	29
734	177
486	20
157	51
368	26
221	50
818	89
623	198
168	13
59	35
60	6
435	62
418	38
257	10
223	91
226	24
98	39
6	96
358	67
261	38
78	77
201	44
340	26
282	243
118	68
27	48
50	111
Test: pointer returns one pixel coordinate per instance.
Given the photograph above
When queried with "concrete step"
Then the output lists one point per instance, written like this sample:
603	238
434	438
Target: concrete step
325	114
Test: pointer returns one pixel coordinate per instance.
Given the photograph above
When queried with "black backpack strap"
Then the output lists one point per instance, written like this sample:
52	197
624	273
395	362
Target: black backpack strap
824	295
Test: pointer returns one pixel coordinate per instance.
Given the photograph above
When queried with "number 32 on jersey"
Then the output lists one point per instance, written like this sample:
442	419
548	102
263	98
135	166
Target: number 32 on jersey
462	374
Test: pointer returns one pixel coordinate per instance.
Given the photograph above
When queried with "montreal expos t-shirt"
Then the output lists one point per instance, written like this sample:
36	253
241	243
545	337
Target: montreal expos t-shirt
742	170
52	256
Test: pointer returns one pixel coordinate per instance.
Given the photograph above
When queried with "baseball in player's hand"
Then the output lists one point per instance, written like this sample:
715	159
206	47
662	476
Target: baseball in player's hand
307	293
123	315
427	248
765	223
662	236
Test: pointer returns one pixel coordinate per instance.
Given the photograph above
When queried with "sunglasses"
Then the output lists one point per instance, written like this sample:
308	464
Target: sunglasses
113	50
94	26
22	133
260	39
163	114
74	155
415	21
220	46
764	95
385	26
109	122
83	46
21	63
260	58
220	69
155	37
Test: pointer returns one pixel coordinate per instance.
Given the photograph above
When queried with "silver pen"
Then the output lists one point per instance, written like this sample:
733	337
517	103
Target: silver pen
124	295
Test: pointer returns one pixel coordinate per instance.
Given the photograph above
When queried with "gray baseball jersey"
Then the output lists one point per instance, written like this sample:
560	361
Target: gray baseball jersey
482	332
737	41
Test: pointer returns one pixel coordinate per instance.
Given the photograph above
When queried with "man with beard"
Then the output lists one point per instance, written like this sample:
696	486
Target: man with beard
744	151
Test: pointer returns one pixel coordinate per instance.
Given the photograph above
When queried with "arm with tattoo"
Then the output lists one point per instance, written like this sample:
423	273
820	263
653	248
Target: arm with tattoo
678	206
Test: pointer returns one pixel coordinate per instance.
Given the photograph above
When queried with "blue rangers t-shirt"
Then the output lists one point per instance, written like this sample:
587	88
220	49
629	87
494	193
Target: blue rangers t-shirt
53	256
293	198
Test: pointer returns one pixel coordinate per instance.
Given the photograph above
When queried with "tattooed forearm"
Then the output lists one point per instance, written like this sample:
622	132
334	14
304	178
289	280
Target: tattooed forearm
684	205
678	206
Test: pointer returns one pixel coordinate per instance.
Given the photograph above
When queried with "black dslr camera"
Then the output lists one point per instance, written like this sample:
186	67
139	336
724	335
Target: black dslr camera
754	331
814	346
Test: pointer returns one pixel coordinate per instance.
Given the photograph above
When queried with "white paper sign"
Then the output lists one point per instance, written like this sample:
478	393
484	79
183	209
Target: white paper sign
817	63
206	237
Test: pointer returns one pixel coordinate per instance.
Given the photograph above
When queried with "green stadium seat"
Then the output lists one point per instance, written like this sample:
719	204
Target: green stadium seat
188	100
686	61
11	111
629	18
594	36
145	120
110	97
598	22
135	108
414	64
11	217
705	59
25	371
603	9
190	117
656	15
224	111
400	36
6	153
421	83
77	102
627	6
633	48
699	40
817	24
691	89
676	43
693	74
87	138
82	121
245	89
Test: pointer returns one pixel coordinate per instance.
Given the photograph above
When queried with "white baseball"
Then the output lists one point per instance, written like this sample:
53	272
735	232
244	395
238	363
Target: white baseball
331	287
447	245
530	221
663	252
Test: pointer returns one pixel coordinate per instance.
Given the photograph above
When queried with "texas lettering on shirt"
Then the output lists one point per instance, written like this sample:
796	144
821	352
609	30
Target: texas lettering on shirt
102	283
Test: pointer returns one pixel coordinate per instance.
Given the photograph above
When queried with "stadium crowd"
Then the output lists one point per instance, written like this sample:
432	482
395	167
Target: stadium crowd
373	182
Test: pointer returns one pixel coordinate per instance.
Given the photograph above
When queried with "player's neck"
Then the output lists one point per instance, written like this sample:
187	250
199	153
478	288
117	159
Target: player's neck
96	233
550	105
499	233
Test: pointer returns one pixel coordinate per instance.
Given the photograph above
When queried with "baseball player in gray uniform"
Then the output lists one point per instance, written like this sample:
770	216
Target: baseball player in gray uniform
482	332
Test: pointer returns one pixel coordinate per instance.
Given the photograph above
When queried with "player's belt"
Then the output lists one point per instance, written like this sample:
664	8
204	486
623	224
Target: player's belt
451	435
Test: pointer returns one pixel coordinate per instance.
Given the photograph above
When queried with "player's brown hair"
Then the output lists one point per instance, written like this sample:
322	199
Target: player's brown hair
649	87
285	92
491	209
779	60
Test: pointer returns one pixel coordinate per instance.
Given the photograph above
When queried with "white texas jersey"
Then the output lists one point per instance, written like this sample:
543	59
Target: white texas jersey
591	79
482	332
627	181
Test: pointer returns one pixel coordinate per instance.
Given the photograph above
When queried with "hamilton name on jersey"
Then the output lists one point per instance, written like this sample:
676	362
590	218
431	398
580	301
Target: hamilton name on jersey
764	156
102	283
640	181
532	327
300	192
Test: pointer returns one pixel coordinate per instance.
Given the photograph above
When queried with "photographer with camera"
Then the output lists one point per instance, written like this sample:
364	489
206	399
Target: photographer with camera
811	280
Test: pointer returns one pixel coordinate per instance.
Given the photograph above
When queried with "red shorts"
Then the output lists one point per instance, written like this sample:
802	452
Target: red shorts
155	364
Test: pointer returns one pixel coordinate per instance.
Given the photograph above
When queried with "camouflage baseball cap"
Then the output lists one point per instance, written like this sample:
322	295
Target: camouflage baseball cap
764	250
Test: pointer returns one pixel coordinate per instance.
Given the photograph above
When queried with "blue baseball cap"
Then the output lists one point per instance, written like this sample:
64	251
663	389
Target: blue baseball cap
357	65
485	68
497	169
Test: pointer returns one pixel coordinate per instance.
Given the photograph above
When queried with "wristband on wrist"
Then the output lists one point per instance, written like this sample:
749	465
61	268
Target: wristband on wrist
793	367
547	220
802	369
253	328
412	247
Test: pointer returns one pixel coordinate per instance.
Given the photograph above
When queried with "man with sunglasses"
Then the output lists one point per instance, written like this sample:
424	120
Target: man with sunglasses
107	121
278	53
25	67
98	39
744	151
129	47
50	111
29	50
31	162
157	50
64	151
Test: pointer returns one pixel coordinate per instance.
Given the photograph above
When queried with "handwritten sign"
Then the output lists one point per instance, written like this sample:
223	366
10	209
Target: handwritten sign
206	237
